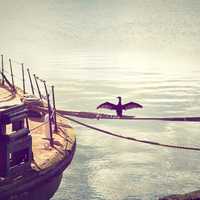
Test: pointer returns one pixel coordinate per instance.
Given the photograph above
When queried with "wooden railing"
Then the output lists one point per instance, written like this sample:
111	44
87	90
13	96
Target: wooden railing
38	85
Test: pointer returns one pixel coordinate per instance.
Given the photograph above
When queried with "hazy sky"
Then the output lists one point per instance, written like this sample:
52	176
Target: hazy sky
158	27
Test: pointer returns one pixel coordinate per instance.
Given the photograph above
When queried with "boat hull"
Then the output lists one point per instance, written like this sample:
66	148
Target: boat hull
42	186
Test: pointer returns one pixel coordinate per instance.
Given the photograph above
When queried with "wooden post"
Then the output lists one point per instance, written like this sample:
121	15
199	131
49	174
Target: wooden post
45	87
37	86
54	108
23	78
50	113
2	69
11	73
29	75
27	124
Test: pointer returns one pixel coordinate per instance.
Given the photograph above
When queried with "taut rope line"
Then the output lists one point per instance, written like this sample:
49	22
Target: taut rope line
130	138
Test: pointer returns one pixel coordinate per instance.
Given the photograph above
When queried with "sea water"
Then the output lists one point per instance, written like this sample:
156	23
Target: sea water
93	51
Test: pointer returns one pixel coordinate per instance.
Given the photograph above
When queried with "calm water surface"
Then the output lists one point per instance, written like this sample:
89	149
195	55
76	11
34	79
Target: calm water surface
92	51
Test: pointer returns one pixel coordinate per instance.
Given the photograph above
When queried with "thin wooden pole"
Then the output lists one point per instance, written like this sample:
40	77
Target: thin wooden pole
38	88
54	108
45	87
30	79
11	73
23	78
27	124
2	69
50	113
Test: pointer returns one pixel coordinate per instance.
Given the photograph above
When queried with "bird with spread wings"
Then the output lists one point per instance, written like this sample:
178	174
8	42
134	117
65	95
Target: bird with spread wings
119	107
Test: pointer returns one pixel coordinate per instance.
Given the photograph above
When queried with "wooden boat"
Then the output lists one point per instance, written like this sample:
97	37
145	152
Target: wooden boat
30	168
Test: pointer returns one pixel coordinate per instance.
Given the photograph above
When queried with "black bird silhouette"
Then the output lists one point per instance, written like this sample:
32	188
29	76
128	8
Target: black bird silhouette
119	107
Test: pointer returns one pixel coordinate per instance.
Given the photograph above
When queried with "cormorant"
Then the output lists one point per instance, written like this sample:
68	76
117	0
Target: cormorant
119	107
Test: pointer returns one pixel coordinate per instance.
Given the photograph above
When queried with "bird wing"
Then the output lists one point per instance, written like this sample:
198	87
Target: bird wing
107	105
131	105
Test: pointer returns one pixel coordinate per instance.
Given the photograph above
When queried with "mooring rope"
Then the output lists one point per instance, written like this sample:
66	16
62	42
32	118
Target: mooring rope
130	138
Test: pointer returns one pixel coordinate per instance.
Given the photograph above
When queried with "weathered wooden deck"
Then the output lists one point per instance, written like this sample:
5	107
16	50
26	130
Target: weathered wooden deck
44	155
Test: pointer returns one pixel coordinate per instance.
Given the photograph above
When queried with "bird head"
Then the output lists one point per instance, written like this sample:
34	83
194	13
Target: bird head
120	99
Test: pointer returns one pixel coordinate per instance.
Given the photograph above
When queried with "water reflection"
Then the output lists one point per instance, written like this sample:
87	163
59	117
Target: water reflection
108	168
